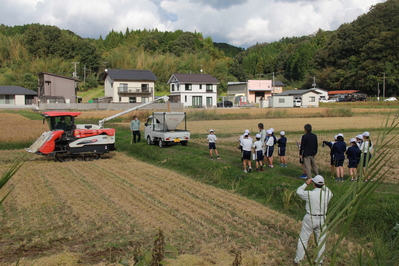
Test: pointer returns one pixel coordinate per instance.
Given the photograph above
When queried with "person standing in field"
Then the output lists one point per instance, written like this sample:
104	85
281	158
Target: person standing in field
338	151
303	176
135	129
212	144
262	132
316	209
365	149
308	151
258	151
246	144
281	144
353	155
332	164
269	147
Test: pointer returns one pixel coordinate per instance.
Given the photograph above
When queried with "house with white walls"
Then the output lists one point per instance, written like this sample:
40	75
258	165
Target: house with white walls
129	85
197	90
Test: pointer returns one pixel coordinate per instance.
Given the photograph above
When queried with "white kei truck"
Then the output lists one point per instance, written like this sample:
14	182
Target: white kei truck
161	128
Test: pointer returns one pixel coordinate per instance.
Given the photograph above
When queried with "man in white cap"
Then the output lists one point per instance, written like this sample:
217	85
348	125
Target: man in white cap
366	148
212	144
316	209
246	144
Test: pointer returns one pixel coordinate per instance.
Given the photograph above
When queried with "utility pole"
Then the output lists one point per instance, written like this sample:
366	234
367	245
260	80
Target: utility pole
383	87
84	75
314	82
378	92
75	74
273	84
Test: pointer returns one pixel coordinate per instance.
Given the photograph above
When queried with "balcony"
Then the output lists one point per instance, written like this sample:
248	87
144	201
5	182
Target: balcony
135	90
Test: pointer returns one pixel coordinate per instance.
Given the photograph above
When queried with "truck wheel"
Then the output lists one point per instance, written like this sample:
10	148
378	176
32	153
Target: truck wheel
161	144
149	141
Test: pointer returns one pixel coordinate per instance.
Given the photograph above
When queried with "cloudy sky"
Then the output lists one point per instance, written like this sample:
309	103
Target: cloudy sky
241	23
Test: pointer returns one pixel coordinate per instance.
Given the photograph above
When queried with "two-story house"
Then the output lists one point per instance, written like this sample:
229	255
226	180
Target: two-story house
129	85
193	89
253	91
54	88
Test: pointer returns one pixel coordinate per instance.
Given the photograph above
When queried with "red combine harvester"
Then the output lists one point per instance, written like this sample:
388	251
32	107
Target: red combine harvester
67	141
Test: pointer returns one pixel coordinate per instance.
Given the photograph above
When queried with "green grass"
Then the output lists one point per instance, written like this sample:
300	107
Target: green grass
25	113
274	187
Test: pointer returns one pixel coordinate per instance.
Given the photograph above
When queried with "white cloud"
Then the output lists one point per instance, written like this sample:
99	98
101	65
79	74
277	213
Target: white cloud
238	22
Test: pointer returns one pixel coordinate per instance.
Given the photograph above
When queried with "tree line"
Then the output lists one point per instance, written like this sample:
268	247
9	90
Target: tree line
361	55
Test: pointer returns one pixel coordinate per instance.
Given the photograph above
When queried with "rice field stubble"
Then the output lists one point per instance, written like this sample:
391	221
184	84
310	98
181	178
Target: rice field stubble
86	207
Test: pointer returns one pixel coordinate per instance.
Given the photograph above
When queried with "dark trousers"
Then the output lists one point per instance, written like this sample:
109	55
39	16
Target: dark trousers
137	134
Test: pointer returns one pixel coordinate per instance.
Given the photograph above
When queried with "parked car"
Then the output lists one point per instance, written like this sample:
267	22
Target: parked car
297	103
225	104
390	99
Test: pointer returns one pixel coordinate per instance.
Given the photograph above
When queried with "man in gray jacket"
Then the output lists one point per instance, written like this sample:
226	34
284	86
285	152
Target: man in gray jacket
135	129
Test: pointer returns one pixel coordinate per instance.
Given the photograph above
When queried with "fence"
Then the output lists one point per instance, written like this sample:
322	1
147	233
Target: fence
90	106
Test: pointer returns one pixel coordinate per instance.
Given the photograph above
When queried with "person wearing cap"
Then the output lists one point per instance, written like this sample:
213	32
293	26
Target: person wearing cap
332	164
308	151
240	141
365	149
212	144
359	140
282	144
353	155
316	209
338	151
258	150
269	142
246	144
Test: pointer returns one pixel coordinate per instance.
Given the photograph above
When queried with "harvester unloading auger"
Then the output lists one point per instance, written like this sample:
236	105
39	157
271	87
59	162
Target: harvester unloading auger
67	141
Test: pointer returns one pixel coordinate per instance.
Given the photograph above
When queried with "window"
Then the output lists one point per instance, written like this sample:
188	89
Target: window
209	101
200	86
7	99
145	87
188	87
281	100
173	87
185	98
144	99
123	87
209	88
197	101
132	100
312	98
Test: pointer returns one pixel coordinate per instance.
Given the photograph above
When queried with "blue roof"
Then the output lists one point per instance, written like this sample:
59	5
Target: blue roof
16	90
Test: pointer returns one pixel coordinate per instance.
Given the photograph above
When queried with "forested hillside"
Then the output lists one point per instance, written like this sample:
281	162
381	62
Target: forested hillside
358	55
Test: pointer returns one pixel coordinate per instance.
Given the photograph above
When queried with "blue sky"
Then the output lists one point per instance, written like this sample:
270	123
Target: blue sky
241	23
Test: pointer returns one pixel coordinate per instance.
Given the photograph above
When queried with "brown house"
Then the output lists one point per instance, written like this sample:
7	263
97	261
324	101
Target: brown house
56	89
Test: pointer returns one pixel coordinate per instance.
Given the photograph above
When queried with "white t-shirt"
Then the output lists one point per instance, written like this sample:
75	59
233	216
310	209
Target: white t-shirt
258	145
246	144
212	138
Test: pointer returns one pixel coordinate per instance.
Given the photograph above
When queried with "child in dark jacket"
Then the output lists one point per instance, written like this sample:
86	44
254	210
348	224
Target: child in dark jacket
338	151
282	144
353	154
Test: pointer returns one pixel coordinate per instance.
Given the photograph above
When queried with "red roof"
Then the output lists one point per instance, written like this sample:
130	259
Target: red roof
343	92
57	113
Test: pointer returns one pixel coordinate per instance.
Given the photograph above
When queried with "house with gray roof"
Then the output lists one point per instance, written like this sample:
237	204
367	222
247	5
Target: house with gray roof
308	98
199	90
129	85
16	96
